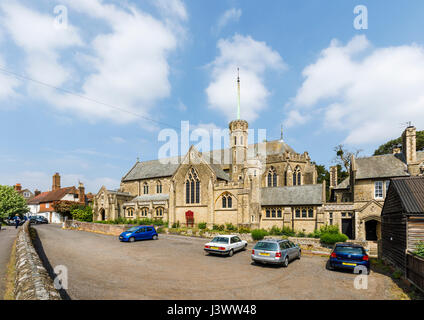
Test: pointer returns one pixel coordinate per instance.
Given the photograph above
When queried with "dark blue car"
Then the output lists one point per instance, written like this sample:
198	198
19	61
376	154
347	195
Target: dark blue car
139	233
349	256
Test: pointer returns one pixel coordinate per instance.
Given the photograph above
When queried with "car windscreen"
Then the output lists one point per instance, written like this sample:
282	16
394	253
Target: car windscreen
220	240
270	246
349	250
132	229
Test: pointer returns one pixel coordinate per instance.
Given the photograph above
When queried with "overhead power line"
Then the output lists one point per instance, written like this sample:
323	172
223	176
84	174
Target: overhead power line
22	77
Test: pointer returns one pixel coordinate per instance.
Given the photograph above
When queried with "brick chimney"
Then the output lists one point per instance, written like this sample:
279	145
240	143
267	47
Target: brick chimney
409	144
333	177
56	182
18	187
81	193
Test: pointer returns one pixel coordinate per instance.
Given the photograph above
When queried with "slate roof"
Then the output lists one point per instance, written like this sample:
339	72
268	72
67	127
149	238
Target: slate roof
157	169
384	166
411	193
310	194
343	185
51	196
152	197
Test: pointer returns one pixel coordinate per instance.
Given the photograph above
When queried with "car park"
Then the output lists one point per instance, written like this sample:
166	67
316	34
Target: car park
349	256
275	251
225	245
139	233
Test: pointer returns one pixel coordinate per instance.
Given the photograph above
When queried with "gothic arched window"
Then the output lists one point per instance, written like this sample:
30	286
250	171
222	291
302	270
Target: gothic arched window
158	187
272	177
144	212
159	212
224	201
192	187
227	201
297	177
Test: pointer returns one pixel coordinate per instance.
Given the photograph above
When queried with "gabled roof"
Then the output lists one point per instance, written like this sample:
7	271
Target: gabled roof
51	196
163	168
343	185
309	194
384	166
411	193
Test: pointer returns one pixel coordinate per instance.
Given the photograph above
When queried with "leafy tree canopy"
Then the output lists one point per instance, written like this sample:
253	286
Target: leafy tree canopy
387	148
11	202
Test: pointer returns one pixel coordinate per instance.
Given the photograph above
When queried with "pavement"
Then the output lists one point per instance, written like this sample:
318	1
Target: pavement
175	267
7	237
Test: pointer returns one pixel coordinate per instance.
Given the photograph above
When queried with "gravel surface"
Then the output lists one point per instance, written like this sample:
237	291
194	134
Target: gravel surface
175	267
7	237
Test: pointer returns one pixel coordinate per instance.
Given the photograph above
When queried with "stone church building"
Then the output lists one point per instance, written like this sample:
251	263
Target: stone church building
262	185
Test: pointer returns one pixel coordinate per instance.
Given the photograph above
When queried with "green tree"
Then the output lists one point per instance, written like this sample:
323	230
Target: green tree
387	148
11	202
82	214
343	156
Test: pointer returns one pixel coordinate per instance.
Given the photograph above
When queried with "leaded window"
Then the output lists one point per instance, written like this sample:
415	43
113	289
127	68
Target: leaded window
272	177
192	187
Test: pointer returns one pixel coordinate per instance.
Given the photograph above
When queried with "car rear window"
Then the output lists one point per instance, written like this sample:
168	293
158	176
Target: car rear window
349	250
220	240
270	246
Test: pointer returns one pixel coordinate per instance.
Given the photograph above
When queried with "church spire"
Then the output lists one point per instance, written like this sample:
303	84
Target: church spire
238	93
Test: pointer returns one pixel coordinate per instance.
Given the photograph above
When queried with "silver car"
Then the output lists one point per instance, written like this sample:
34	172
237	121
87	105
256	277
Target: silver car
275	252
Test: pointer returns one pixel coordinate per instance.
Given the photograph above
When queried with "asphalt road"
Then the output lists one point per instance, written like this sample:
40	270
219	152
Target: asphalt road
7	237
174	267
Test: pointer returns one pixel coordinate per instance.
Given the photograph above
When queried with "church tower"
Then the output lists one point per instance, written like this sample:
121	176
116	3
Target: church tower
238	141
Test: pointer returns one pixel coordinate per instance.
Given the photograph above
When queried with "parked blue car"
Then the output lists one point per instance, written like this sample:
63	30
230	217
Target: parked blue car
139	233
349	256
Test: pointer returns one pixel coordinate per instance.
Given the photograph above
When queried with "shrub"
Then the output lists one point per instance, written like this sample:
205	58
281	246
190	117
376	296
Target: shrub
176	225
259	234
287	231
220	227
397	274
301	234
202	225
275	231
333	229
230	227
419	250
84	214
332	238
244	230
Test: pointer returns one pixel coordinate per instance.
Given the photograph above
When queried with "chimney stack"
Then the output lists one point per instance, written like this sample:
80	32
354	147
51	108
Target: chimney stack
18	187
409	144
333	177
81	193
56	182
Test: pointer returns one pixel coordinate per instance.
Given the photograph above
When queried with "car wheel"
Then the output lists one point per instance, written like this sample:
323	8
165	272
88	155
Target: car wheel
328	266
155	237
286	262
230	254
132	239
245	247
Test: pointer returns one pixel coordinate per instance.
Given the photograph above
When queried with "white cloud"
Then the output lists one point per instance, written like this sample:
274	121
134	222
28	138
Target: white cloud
128	62
254	58
8	84
364	91
231	15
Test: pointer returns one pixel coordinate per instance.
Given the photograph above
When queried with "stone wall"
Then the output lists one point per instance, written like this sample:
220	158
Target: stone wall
110	229
32	281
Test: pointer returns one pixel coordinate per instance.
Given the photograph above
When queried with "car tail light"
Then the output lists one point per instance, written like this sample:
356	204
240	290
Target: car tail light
221	248
207	247
253	251
278	255
365	258
333	255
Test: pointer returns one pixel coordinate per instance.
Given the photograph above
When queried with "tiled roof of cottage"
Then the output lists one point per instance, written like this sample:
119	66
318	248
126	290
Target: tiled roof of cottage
309	194
411	193
51	196
384	166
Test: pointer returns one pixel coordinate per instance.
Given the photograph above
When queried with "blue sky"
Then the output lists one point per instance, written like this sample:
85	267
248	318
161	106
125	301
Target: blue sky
303	64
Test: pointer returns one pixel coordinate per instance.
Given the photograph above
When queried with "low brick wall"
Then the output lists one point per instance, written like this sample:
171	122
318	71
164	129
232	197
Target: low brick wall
207	235
110	229
32	281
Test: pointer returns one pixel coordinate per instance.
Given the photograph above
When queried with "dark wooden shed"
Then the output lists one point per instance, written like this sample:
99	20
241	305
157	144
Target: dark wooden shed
402	219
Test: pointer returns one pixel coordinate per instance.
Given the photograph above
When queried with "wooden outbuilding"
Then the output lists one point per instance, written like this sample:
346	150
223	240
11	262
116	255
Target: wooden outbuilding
403	225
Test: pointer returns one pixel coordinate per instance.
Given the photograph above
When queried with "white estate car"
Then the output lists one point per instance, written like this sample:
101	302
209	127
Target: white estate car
225	245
